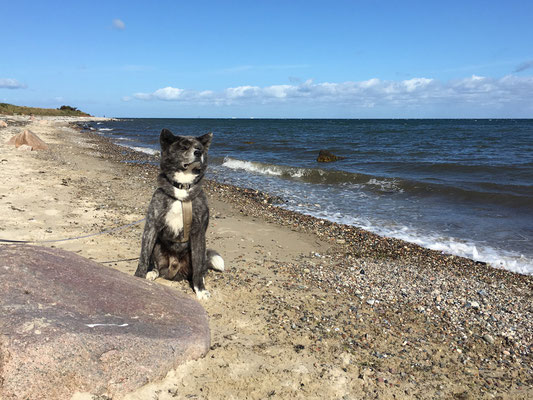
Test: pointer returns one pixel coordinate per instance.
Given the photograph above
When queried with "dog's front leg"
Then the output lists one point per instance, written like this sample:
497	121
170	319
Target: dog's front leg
199	267
148	242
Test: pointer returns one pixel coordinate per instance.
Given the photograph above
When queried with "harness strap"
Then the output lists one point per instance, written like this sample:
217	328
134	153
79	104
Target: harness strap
186	207
186	211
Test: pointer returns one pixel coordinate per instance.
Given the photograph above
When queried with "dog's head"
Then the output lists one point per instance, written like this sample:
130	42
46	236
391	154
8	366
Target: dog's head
184	158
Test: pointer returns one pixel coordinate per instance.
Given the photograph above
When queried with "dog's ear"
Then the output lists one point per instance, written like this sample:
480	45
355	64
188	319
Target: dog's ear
205	140
166	138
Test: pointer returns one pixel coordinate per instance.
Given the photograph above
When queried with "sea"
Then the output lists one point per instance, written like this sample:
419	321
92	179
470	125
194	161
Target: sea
459	186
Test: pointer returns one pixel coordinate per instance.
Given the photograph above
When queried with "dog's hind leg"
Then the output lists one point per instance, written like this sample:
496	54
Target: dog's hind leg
214	260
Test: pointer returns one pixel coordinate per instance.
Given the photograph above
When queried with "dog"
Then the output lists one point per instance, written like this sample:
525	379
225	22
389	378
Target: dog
173	241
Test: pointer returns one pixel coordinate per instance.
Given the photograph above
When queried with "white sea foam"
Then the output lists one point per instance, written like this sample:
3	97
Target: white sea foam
146	150
105	129
497	258
122	139
386	185
264	169
250	166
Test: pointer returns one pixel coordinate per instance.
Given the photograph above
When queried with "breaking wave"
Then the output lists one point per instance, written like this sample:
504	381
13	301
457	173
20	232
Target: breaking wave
514	196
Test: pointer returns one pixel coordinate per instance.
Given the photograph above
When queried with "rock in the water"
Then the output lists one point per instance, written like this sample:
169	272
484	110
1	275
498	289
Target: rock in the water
70	325
28	138
326	156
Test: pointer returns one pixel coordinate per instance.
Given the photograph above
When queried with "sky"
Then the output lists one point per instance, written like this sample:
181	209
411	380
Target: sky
270	59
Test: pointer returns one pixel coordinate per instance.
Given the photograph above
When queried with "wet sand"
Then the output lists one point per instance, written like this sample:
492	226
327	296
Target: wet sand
306	308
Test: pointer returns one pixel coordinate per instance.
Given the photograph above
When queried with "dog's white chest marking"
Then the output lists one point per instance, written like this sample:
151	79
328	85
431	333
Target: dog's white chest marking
174	217
186	176
181	194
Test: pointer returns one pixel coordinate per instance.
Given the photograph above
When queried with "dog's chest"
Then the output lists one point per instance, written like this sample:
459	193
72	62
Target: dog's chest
174	217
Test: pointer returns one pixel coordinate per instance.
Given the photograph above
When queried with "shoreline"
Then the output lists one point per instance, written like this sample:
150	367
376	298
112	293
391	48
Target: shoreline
441	215
379	250
349	313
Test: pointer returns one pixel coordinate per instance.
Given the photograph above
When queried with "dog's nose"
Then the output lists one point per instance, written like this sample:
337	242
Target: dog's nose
197	153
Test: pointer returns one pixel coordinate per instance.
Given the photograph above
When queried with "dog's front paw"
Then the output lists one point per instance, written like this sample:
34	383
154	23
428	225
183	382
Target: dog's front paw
152	275
202	294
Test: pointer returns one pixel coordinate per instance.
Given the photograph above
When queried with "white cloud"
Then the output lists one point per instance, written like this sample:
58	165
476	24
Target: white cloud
242	92
7	83
369	93
167	93
119	24
416	84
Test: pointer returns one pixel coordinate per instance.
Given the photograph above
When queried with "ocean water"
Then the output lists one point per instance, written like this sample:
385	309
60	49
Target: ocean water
463	187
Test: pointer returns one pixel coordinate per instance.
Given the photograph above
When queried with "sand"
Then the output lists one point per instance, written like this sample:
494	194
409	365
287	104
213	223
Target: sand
305	308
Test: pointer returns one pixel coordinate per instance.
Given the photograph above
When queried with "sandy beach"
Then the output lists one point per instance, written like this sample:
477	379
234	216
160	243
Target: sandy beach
306	308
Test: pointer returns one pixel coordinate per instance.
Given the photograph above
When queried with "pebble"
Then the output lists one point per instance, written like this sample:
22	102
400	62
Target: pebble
407	278
473	304
488	338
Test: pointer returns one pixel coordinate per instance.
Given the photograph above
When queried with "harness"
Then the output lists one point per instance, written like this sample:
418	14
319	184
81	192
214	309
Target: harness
186	209
186	212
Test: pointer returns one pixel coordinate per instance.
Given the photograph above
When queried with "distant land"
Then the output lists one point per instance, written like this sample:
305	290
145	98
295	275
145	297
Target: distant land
10	109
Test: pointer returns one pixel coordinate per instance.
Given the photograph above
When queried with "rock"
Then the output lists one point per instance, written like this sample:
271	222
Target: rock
489	339
371	302
3	124
473	304
24	147
28	138
70	325
326	156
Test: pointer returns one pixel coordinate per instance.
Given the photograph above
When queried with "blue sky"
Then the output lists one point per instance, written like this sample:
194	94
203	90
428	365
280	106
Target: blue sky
281	59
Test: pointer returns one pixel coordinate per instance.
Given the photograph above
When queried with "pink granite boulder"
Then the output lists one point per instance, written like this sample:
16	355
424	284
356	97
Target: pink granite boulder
68	324
28	138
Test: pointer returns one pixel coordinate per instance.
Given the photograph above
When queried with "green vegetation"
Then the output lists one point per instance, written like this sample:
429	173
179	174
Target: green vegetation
10	109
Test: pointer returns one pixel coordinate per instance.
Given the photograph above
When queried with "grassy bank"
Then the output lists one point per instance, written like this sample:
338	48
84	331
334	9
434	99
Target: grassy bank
10	109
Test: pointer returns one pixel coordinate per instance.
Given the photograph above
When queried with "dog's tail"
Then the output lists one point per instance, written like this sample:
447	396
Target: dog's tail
214	260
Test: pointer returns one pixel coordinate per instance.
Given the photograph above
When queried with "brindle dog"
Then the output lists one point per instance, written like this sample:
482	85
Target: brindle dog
171	247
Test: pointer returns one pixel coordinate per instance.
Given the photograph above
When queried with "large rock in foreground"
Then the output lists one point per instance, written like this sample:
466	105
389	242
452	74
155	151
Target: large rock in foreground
70	325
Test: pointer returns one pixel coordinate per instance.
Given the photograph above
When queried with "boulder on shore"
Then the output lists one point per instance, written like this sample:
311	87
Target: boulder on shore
326	156
68	324
3	124
28	138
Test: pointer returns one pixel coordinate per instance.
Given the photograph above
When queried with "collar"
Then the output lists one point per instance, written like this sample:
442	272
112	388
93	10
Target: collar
178	185
185	186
